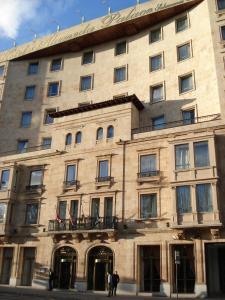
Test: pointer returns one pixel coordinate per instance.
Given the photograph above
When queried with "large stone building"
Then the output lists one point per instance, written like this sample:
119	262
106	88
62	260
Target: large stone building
112	153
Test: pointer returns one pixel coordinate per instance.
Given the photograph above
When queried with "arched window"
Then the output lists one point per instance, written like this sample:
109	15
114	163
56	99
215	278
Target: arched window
78	137
68	139
110	132
99	134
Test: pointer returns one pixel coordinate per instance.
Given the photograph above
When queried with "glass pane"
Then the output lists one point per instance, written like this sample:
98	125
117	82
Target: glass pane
47	143
29	94
100	134
184	52
186	83
201	152
120	74
69	139
95	207
3	207
62	210
22	146
48	119
88	57
4	179
181	24
223	32
182	156
26	119
56	64
110	132
108	207
158	123
183	199
74	209
156	62
148	206
78	137
36	178
2	70
121	48
148	163
86	83
204	197
71	173
103	168
32	213
53	89
33	68
155	35
221	4
188	117
157	93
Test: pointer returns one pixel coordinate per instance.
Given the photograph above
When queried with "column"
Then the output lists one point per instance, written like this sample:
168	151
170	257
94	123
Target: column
200	284
164	286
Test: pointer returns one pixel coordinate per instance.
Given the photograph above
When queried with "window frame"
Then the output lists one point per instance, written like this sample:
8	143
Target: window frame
163	90
83	63
147	193
34	92
179	18
97	138
126	74
76	135
3	72
38	213
44	146
160	28
71	182
21	121
1	178
119	43
190	210
59	82
51	64
208	154
20	141
180	77
28	69
4	219
42	177
153	119
161	54
108	167
190	51
92	83
186	166
46	114
219	10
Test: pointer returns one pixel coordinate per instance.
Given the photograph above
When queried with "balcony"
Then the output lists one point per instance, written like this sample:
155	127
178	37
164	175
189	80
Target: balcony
104	181
70	185
148	176
38	188
177	123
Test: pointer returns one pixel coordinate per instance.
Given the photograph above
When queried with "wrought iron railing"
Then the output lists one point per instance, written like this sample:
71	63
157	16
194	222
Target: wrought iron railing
176	123
34	187
70	183
86	223
25	150
104	179
148	174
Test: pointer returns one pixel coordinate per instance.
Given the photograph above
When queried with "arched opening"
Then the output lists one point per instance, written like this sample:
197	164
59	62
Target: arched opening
78	137
99	134
100	261
68	139
110	132
64	268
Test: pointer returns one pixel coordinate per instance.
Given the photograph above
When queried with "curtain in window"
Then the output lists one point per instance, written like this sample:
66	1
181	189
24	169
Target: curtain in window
188	117
3	207
186	84
148	206
148	163
74	209
156	62
182	156
62	210
4	179
71	173
201	154
120	74
184	52
103	168
183	199
204	197
157	93
32	213
36	178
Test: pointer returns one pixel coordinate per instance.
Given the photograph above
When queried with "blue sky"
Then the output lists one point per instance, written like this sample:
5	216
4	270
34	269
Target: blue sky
22	19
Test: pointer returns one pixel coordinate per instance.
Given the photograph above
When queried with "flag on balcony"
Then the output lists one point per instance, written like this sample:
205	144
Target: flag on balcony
57	217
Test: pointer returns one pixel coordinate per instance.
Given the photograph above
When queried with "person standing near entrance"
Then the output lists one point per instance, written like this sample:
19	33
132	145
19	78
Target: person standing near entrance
50	280
109	281
115	281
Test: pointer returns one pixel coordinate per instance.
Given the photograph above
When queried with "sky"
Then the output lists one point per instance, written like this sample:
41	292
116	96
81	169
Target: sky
21	20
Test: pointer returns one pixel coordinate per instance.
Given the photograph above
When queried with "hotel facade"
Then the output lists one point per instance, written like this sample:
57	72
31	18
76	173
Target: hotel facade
112	153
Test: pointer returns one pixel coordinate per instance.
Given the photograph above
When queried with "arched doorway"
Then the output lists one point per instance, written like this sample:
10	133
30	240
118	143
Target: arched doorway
64	268
100	261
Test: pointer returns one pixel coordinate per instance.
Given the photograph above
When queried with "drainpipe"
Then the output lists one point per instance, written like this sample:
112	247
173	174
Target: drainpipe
123	181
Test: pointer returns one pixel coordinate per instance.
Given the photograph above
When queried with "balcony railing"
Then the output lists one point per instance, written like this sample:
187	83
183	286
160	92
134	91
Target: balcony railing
88	223
25	150
148	174
177	123
103	179
31	188
70	183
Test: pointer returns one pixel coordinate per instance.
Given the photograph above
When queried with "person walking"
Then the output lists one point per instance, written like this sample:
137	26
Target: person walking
50	280
109	281
115	281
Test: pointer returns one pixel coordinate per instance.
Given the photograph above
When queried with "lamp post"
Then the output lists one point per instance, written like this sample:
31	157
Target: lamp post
177	262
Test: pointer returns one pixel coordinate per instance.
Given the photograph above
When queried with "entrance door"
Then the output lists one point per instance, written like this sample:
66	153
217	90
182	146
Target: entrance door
100	275
28	266
215	269
6	265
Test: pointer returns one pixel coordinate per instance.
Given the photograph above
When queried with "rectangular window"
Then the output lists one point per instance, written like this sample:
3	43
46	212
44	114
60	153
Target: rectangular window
53	89
188	116
186	83
86	83
121	48
158	123
204	197
95	208
182	24
201	153
46	143
30	92
223	33
88	57
71	174
4	179
103	168
32	213
48	119
157	93
182	156
148	206
120	74
156	63
62	210
36	178
74	209
148	165
56	64
22	146
33	68
3	210
221	4
183	52
183	199
26	119
155	35
2	68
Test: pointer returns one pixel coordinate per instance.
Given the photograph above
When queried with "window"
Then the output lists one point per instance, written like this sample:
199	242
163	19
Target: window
148	165
182	156
3	210
201	153
99	135
26	119
33	68
2	68
22	146
186	83
74	209
110	132
32	213
221	4
182	24
121	48
30	92
183	199
157	93
46	143
70	174
204	197
78	138
4	179
103	169
148	206
183	52
36	178
158	123
155	35
156	63
86	83
68	139
120	74
62	210
223	33
48	119
88	57
53	89
95	207
188	116
56	64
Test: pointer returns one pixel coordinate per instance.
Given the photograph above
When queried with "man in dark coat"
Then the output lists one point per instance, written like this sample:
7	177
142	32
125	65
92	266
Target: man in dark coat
115	281
50	280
